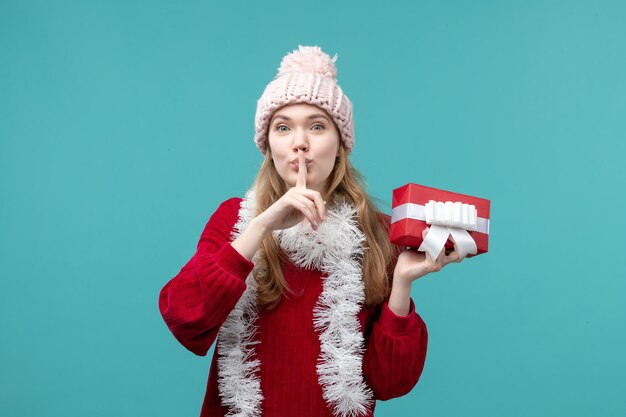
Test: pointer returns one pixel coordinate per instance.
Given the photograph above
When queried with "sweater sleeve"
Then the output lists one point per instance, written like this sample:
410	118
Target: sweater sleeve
395	352
395	346
197	301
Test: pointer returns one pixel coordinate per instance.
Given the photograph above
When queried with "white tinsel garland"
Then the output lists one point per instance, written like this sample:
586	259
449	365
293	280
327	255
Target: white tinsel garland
335	249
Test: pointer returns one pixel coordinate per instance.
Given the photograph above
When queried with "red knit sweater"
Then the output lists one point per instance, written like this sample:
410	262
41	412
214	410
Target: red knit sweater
196	302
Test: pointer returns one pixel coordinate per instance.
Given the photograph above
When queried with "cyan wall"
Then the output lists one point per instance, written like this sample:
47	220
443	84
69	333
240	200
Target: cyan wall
124	124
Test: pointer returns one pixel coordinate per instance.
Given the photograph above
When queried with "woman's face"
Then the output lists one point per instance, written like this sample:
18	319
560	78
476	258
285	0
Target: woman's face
310	128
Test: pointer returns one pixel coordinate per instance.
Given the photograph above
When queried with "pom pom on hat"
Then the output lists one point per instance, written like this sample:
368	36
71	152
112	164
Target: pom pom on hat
306	75
309	59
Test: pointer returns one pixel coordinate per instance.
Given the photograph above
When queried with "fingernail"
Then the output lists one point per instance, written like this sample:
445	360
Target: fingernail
314	223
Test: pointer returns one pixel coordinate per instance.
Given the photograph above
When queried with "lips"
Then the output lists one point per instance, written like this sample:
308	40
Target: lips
296	165
296	162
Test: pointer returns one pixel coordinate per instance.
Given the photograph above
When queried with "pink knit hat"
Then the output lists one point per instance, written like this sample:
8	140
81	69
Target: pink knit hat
306	75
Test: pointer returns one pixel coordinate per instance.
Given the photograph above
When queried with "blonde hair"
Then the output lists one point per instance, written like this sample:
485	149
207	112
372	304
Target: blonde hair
379	256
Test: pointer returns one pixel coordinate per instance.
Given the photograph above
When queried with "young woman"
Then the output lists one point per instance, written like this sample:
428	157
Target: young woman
298	282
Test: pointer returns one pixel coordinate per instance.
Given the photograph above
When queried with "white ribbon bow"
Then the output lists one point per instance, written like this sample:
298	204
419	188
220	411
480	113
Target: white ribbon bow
449	219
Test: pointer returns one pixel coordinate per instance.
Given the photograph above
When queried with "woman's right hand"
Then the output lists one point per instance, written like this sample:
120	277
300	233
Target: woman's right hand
297	203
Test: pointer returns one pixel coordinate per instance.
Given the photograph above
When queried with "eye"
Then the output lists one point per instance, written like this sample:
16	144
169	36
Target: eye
279	126
319	124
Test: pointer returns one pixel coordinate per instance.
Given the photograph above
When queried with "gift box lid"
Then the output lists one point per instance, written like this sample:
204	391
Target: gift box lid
421	194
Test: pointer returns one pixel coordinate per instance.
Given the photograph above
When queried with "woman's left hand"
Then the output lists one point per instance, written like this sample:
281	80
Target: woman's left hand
413	264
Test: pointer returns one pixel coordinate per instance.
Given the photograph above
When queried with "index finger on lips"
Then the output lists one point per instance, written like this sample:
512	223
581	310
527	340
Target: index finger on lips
301	181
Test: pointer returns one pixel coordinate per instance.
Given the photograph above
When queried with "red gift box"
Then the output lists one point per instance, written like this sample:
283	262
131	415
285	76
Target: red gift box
408	219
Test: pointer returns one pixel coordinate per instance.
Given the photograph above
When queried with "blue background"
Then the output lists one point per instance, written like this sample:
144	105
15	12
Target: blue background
124	124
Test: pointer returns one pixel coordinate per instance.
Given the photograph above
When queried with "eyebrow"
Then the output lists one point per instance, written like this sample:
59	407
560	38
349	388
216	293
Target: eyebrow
313	116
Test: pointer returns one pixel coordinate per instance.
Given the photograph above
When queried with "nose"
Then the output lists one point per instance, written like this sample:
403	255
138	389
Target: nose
300	140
